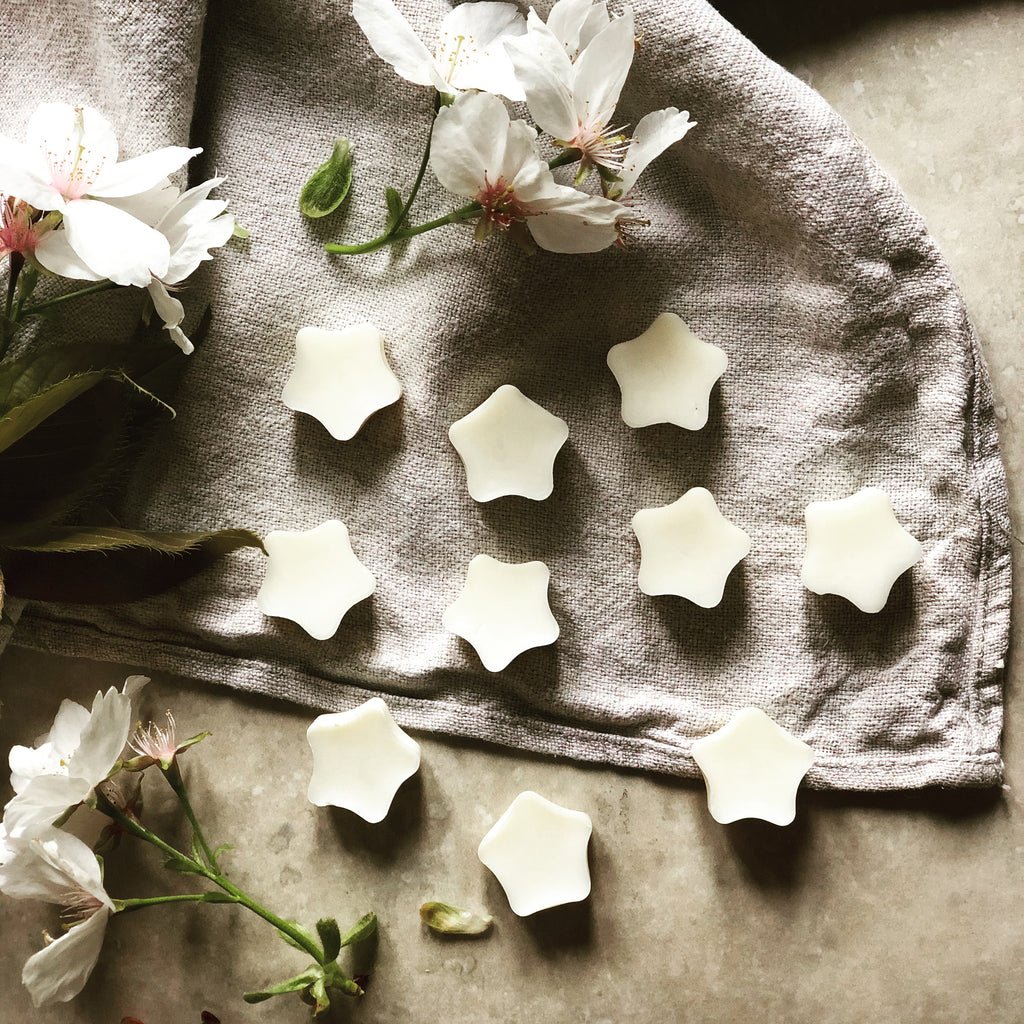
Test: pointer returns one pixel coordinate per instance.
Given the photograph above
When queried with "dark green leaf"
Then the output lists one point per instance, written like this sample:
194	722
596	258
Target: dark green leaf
362	930
449	920
395	209
301	981
329	183
101	565
330	937
21	419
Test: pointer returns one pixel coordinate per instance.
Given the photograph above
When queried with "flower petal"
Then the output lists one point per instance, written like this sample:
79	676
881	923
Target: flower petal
596	20
601	71
48	864
42	801
654	133
114	244
394	41
103	737
130	177
77	144
565	21
54	252
59	971
168	308
470	142
545	73
470	51
25	174
151	205
572	221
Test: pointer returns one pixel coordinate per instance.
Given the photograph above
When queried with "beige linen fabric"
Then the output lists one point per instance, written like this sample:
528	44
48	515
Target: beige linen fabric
773	234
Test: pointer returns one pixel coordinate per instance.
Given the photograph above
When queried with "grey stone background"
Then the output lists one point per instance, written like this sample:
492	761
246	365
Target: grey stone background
868	909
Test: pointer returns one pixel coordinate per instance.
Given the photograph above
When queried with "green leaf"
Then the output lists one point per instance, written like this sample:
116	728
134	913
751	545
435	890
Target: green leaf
330	937
393	201
449	920
294	943
101	565
363	929
182	865
321	1001
329	183
239	230
23	418
300	982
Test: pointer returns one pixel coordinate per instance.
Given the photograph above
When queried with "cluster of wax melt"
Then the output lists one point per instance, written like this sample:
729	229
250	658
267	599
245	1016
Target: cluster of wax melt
537	850
855	546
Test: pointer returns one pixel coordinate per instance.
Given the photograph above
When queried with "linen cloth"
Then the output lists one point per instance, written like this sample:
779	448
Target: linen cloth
772	233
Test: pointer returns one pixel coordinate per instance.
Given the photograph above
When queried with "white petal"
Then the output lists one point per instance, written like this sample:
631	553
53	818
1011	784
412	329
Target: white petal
179	339
654	134
103	738
470	140
574	221
25	174
596	20
140	173
115	245
168	308
601	71
151	205
394	41
565	21
42	801
55	253
470	52
212	228
545	73
48	864
59	971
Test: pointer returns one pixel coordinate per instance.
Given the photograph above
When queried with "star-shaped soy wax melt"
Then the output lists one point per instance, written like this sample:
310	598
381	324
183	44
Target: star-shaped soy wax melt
313	578
538	852
360	758
752	768
508	445
341	377
666	375
503	610
688	548
857	549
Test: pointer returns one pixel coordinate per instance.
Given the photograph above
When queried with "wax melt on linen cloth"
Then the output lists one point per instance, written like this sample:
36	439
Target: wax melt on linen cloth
773	234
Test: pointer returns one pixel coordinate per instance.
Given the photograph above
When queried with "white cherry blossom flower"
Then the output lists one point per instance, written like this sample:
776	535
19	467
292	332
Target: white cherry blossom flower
69	164
55	866
192	224
65	765
468	53
574	99
480	153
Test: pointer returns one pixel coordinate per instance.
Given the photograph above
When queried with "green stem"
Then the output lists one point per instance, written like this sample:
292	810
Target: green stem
424	161
100	286
136	828
138	903
175	781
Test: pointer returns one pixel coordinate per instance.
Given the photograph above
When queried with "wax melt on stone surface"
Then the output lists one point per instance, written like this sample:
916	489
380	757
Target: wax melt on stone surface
341	377
752	768
313	578
666	375
857	549
503	610
360	758
538	852
508	445
688	548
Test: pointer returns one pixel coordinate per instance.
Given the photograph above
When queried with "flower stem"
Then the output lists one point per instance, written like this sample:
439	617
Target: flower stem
132	824
100	286
139	903
173	776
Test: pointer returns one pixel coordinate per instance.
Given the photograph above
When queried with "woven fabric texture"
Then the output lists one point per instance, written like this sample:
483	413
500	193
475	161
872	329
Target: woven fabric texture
772	233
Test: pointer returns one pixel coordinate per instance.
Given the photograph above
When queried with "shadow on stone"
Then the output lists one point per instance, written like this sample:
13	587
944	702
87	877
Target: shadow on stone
771	854
386	840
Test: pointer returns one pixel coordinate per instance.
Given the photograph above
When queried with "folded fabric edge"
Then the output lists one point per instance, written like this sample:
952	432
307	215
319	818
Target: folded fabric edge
868	774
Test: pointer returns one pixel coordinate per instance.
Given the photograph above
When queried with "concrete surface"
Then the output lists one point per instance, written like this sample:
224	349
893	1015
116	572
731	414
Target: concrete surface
868	910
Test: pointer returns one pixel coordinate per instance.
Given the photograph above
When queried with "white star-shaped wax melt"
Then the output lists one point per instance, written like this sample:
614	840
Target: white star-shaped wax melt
508	445
313	578
341	377
688	548
360	758
752	768
538	852
666	375
503	610
857	549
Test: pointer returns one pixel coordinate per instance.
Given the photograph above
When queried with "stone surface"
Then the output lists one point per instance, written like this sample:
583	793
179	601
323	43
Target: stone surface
904	908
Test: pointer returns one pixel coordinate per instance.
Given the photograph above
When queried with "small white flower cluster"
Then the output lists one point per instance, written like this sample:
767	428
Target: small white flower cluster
570	71
71	209
43	862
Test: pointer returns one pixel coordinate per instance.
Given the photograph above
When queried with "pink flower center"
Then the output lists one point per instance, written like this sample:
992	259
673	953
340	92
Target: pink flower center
72	170
18	231
501	206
